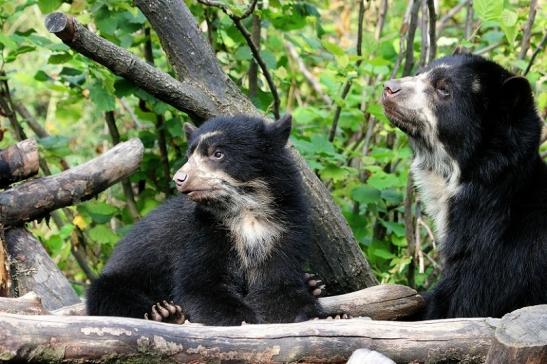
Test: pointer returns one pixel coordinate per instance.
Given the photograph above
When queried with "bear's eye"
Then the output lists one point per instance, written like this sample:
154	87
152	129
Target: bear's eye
218	154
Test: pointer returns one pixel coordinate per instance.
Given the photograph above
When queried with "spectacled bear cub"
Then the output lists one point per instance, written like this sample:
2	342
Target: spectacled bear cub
475	134
231	248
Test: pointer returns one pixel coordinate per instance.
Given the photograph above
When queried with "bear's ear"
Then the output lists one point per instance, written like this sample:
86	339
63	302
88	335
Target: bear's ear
516	95
280	130
189	129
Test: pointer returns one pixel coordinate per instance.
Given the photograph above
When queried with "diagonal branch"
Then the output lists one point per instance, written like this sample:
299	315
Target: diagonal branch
34	199
182	95
538	50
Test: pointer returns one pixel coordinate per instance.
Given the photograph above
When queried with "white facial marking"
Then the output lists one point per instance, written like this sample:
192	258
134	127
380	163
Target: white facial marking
207	135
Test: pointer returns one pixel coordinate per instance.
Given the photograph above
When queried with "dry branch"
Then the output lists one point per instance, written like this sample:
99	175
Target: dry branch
18	162
33	270
36	198
110	339
182	95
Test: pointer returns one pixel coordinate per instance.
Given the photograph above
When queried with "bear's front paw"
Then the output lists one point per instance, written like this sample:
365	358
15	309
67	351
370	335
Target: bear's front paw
314	284
166	312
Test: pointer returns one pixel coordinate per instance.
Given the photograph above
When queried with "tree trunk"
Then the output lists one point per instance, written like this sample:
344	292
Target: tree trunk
33	270
206	91
35	199
18	162
73	339
521	337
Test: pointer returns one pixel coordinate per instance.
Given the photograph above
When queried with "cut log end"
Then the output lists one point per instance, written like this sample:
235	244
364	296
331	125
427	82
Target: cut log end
18	162
60	25
521	337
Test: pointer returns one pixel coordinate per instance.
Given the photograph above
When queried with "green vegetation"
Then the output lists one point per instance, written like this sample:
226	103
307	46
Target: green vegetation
310	48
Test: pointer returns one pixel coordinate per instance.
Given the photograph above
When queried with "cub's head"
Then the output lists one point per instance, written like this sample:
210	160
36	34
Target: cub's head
470	106
232	161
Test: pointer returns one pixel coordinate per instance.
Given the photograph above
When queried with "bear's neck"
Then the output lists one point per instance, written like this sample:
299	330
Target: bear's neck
437	178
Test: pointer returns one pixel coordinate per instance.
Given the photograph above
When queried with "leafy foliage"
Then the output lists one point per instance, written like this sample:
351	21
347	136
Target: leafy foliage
365	167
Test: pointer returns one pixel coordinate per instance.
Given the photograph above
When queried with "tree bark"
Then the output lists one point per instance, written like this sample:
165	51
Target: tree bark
33	270
35	199
521	337
336	255
73	339
383	302
18	162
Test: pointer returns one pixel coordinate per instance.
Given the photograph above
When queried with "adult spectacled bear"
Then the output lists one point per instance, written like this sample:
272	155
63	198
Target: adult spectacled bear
231	248
475	134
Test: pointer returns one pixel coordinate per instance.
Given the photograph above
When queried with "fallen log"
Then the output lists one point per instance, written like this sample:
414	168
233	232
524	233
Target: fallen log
32	270
73	339
521	337
383	302
18	162
35	199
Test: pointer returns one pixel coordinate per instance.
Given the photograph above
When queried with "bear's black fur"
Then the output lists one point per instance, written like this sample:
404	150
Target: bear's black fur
232	247
476	133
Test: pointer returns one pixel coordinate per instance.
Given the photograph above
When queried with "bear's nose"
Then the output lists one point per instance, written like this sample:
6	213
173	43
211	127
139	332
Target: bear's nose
391	87
180	177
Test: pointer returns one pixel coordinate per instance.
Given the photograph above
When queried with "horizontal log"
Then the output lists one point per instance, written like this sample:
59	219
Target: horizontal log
383	302
34	199
72	339
185	96
18	162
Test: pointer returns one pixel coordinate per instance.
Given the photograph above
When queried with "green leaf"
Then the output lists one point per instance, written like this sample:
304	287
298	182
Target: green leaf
47	6
333	48
103	235
101	97
394	227
365	194
488	9
509	25
59	58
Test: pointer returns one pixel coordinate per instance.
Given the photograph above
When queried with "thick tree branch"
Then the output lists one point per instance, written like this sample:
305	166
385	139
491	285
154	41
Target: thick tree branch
36	198
108	339
18	162
33	270
185	96
192	57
